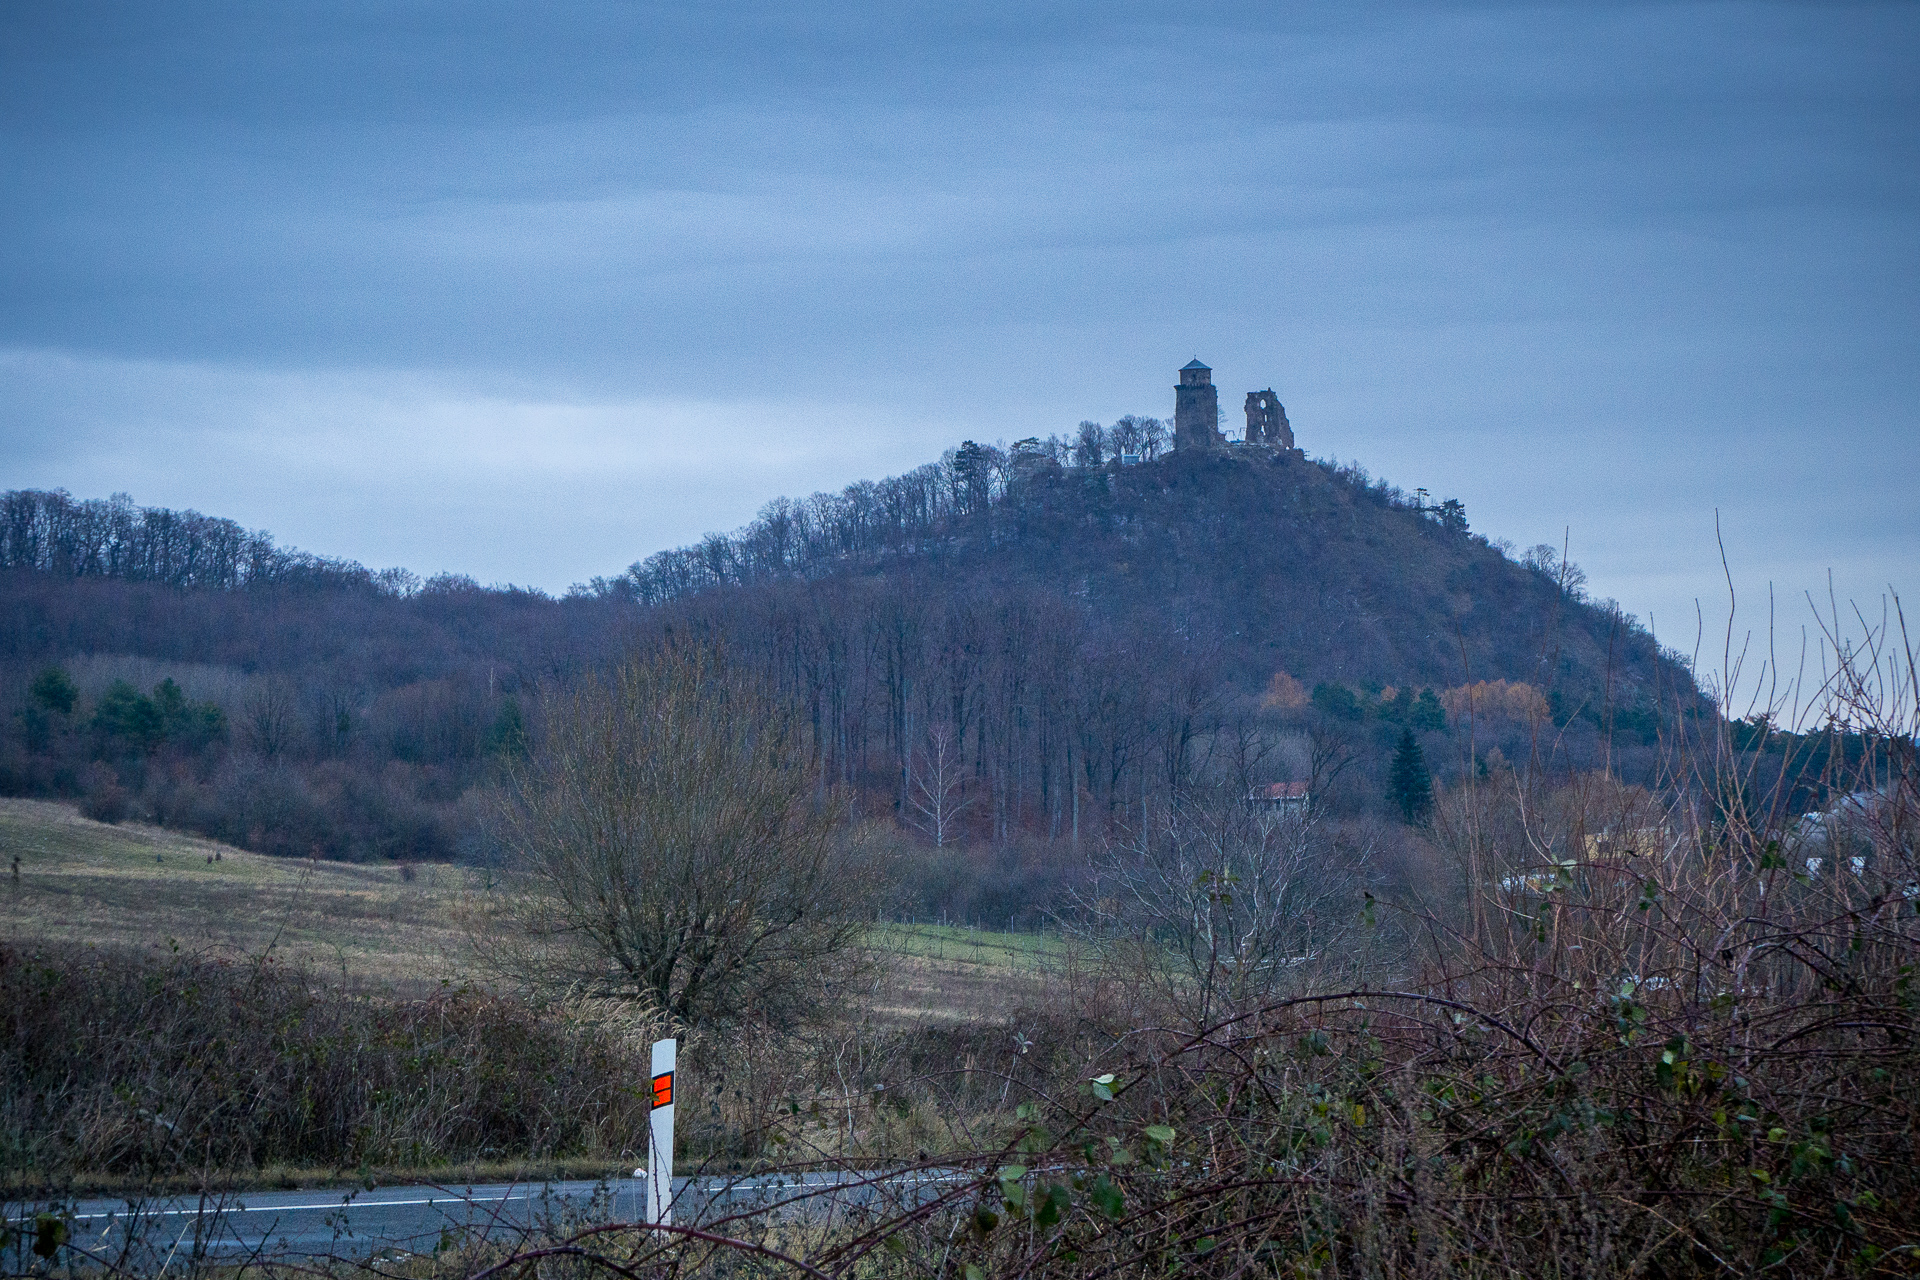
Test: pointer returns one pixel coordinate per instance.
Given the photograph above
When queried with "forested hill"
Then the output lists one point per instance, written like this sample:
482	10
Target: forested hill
1086	636
1263	561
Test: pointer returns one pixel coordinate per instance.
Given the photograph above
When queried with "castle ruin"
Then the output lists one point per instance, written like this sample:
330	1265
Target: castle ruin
1196	410
1267	420
1196	414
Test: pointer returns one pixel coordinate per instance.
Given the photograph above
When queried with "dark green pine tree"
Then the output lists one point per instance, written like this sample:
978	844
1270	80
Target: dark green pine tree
1408	784
508	736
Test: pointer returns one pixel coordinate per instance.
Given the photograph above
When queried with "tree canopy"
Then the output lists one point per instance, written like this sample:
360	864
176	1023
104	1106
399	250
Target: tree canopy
671	849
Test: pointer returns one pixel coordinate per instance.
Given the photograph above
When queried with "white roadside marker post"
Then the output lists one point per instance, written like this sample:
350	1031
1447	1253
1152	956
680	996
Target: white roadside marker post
659	1206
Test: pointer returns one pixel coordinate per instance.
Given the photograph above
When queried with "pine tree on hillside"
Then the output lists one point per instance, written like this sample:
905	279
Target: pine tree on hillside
1408	784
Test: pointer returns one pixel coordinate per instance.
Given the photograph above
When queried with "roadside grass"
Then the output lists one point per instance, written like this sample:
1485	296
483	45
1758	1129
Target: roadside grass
19	1186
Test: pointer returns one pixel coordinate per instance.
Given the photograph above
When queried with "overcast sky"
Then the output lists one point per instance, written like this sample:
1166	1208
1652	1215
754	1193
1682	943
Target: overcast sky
532	291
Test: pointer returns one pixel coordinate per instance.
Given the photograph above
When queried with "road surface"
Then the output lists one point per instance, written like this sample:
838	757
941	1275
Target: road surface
392	1221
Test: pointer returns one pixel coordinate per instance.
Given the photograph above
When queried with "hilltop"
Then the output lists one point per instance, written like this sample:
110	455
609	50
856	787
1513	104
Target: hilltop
1076	638
1261	559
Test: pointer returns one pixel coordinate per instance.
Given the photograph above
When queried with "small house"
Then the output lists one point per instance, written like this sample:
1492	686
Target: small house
1285	797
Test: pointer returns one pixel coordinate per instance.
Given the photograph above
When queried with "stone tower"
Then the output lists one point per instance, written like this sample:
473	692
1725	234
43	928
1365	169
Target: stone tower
1196	410
1267	420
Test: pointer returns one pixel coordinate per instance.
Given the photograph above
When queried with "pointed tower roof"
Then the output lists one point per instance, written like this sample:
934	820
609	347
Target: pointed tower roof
1195	364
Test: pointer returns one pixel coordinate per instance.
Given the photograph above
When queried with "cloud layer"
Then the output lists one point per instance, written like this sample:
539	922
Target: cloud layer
531	292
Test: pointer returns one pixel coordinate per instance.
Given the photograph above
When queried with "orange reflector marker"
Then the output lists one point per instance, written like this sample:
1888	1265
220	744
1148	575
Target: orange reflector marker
663	1090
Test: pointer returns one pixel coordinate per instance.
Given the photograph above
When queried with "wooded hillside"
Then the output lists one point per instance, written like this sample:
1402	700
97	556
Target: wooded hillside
1050	641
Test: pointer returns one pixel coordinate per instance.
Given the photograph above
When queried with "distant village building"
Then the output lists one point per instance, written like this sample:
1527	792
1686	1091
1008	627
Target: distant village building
1284	797
1853	826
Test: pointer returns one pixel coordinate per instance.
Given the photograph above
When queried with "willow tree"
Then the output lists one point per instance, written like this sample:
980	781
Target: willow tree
669	848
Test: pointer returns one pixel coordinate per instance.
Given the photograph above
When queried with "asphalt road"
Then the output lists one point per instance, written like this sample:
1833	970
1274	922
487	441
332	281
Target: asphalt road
418	1219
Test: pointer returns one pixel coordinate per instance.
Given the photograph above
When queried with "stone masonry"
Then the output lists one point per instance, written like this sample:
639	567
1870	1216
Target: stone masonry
1267	420
1196	410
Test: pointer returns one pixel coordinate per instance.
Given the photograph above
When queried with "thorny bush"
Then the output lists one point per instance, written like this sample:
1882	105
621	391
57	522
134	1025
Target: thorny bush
122	1062
1658	1034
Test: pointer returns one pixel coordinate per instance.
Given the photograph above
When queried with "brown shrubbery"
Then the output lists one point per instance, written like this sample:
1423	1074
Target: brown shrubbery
1647	1033
1688	1061
1495	699
117	1062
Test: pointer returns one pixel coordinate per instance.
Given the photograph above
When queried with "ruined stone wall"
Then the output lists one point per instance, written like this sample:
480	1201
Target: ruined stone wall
1267	420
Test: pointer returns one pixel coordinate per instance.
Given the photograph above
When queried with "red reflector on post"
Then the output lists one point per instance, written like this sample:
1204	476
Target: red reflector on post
663	1090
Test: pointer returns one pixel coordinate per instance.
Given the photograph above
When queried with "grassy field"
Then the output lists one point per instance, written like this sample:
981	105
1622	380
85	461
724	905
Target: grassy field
85	881
949	973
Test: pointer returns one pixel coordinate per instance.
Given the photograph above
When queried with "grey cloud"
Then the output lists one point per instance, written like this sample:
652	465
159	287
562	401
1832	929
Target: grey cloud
1583	234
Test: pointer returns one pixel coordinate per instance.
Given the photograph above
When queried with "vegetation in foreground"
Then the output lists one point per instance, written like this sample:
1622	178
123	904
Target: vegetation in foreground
167	1068
1633	1032
1640	1042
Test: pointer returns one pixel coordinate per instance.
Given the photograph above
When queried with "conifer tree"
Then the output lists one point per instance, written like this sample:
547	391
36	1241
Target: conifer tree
53	689
1408	784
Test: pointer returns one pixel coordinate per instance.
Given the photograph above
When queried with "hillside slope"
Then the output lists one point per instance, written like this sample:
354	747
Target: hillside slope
1086	640
1262	560
1289	565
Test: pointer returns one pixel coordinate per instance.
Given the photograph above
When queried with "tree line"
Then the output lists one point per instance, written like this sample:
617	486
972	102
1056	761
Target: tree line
872	520
1012	647
50	531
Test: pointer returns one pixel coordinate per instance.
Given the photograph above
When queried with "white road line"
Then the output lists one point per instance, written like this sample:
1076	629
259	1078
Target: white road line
808	1182
301	1208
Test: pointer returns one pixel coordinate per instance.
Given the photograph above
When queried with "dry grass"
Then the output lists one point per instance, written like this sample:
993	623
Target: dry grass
84	881
943	997
137	885
197	1067
945	974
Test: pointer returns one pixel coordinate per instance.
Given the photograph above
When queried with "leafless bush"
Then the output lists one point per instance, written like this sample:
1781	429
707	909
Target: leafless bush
672	850
1646	1036
102	797
116	1062
269	718
1221	904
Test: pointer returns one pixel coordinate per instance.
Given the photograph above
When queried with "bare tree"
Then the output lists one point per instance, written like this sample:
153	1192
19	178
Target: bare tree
1248	747
1221	905
936	794
670	850
1329	753
268	717
1090	445
1153	438
1543	559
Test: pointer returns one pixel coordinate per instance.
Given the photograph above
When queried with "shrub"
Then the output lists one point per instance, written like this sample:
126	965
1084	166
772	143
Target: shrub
102	797
113	1061
53	690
